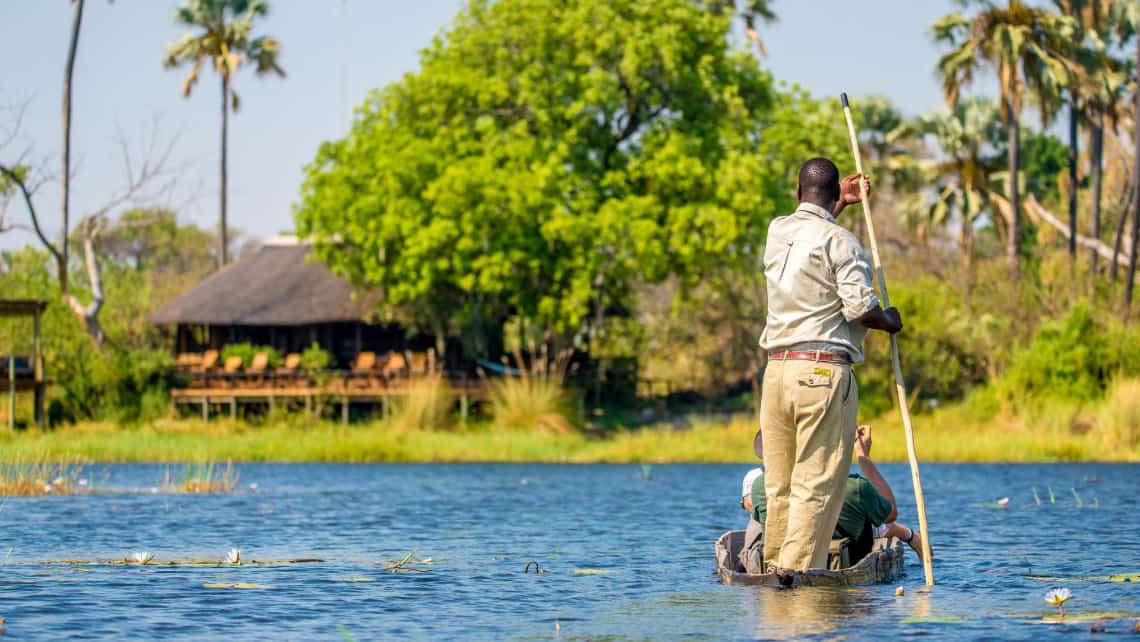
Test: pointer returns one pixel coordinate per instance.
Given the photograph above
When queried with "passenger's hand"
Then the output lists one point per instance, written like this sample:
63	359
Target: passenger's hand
894	319
863	441
916	544
849	189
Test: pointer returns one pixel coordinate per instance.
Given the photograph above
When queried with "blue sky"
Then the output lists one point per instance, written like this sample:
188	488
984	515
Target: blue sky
334	52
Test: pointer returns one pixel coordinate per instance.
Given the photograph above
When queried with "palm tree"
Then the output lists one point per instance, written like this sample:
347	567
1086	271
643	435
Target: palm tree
225	41
1126	18
752	12
1095	88
968	138
1025	46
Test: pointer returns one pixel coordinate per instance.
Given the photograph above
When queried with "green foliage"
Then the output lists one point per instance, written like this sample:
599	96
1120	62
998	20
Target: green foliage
315	358
427	405
531	403
1073	357
538	164
1045	158
247	351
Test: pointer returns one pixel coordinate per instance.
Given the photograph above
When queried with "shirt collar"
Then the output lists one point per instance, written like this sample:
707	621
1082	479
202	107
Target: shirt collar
812	208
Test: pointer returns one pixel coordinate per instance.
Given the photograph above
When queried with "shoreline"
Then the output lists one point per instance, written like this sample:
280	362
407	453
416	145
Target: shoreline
707	440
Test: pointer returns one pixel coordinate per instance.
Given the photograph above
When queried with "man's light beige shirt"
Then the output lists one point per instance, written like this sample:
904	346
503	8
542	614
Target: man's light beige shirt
819	283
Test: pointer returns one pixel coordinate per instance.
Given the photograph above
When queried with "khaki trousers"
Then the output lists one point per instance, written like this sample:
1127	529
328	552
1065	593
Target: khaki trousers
808	411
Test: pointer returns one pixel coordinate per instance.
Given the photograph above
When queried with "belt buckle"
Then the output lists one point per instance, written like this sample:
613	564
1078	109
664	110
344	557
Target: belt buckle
818	355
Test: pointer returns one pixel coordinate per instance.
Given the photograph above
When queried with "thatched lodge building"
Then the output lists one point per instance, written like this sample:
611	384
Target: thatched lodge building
279	296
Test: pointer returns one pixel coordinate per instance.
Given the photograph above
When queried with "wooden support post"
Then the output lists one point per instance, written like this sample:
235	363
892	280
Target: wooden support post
463	406
344	410
11	389
205	408
233	408
38	370
308	404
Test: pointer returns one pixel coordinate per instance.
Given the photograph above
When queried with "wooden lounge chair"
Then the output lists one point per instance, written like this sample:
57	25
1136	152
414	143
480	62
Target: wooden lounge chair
206	367
395	365
364	372
230	368
417	364
255	373
289	374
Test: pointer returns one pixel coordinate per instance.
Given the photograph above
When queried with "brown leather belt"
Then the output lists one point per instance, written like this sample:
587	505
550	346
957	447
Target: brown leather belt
810	355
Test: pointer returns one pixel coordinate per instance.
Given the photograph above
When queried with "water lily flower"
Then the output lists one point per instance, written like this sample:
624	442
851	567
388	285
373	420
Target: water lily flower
1003	502
1057	597
142	557
82	481
233	557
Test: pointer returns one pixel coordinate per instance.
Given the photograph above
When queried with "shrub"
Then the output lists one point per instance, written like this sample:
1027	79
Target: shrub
426	406
1118	421
1072	357
315	359
248	350
530	403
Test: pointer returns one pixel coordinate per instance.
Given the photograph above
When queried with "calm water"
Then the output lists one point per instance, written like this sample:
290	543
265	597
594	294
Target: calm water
483	523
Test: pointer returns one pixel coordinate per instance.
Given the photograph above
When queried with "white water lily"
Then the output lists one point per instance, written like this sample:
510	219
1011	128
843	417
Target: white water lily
233	557
1057	597
1003	502
142	557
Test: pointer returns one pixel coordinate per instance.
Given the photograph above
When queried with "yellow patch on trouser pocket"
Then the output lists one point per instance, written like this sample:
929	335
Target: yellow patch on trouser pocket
818	378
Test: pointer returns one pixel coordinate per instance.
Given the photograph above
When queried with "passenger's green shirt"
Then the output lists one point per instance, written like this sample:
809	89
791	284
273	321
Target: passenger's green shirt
863	509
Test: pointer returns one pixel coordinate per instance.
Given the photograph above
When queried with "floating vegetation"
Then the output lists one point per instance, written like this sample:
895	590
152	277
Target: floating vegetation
355	579
1077	496
41	477
150	561
202	477
593	571
538	570
141	557
1052	497
1057	597
1120	577
406	565
235	585
646	472
1036	497
933	619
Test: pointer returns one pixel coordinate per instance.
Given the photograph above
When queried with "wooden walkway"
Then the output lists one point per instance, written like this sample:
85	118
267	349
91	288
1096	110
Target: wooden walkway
234	392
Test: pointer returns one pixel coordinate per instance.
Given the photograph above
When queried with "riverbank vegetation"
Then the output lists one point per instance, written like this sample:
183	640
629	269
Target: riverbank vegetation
626	223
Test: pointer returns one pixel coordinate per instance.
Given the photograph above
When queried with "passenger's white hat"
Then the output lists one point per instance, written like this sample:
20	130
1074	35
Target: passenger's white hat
749	479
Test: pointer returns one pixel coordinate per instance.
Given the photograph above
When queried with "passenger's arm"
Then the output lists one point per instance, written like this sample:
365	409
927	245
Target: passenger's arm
867	467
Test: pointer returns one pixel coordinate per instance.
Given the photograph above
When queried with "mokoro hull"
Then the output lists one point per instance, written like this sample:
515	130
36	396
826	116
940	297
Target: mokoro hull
883	565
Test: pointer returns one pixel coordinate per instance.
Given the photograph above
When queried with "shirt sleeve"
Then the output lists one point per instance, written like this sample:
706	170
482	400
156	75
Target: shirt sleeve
852	276
875	505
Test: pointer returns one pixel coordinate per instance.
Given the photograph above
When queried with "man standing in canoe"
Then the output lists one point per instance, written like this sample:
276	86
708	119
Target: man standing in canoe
820	305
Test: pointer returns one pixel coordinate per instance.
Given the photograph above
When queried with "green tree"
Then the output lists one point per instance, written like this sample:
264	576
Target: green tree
225	40
960	175
1126	22
540	165
1026	47
751	12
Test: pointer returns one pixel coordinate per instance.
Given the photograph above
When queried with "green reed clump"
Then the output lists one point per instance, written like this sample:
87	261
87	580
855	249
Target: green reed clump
537	399
201	477
427	405
40	476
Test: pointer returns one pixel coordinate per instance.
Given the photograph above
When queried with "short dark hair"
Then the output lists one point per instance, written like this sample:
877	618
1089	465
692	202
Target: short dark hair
819	181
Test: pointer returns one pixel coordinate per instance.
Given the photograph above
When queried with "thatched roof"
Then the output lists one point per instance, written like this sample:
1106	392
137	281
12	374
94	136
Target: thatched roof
277	285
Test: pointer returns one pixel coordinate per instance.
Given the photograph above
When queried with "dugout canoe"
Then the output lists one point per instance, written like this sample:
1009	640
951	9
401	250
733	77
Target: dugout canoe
883	565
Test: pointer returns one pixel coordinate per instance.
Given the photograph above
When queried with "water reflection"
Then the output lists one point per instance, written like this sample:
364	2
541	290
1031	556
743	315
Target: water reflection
798	613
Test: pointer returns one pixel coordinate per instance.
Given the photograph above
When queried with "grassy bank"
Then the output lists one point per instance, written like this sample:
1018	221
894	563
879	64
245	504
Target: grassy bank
976	430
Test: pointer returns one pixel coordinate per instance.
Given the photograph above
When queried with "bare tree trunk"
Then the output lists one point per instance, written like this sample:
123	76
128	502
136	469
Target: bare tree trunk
1013	247
89	314
223	233
1119	237
1128	284
967	243
65	177
1074	112
1097	179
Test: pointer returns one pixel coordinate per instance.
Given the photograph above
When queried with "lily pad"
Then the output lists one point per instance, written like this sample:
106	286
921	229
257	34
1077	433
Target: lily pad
235	585
355	579
592	571
1121	577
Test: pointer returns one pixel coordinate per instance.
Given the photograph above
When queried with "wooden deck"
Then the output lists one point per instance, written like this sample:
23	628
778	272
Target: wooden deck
231	392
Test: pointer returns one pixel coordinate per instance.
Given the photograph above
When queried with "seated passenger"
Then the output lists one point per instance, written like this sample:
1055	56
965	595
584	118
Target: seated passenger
868	510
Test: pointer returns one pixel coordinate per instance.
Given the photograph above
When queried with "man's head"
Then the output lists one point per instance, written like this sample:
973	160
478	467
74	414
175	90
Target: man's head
746	487
819	183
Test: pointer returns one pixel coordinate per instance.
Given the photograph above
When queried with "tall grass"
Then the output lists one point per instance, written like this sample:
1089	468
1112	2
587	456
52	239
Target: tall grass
536	399
201	477
1118	418
39	475
427	405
